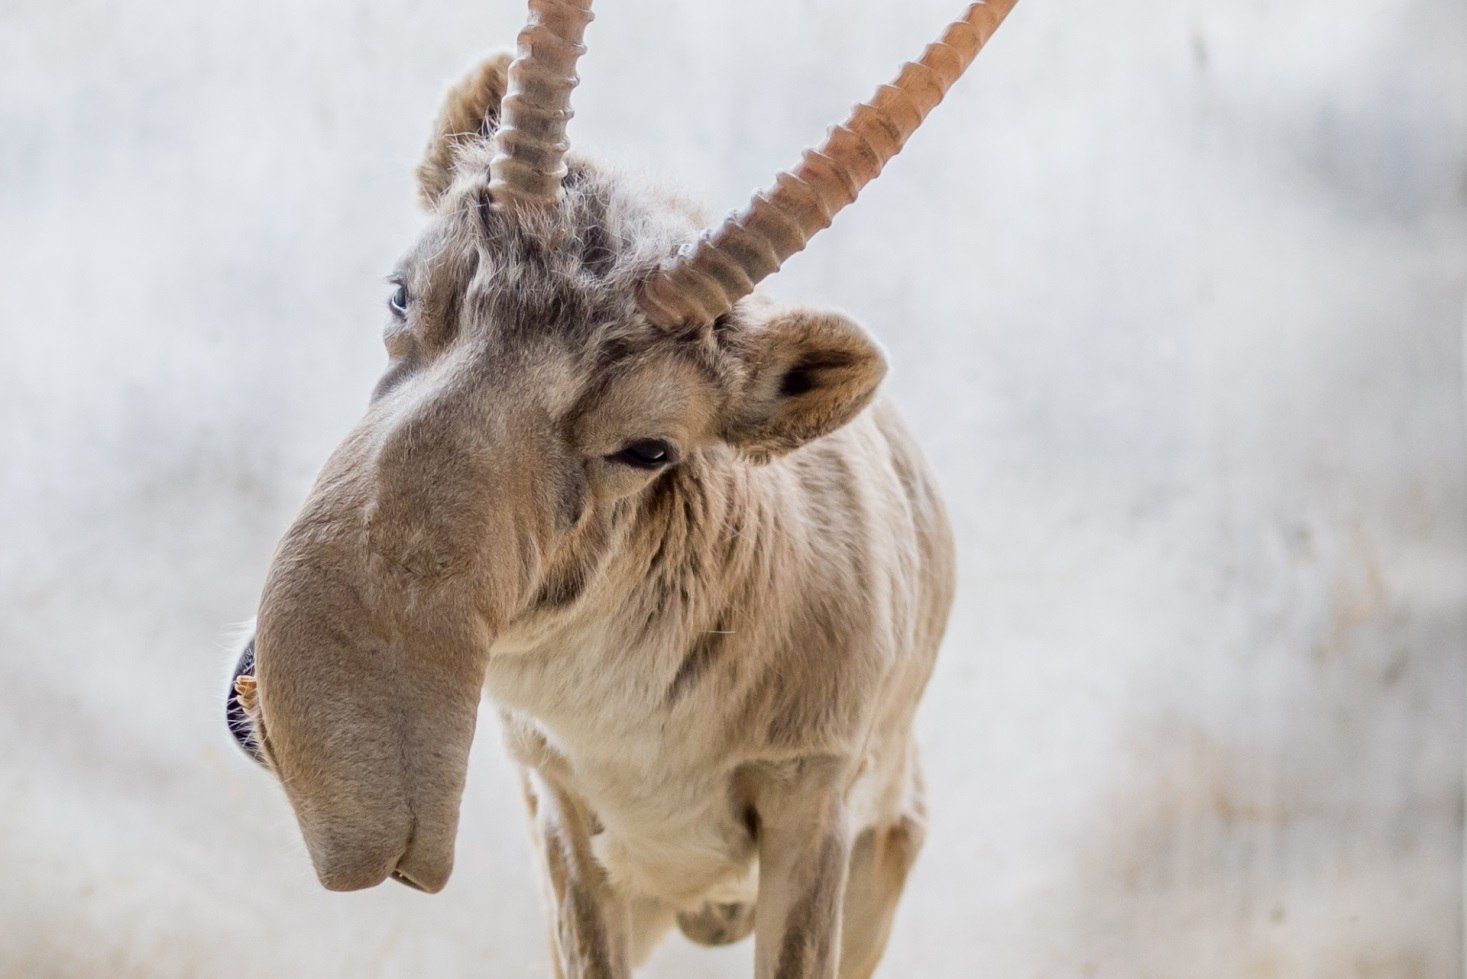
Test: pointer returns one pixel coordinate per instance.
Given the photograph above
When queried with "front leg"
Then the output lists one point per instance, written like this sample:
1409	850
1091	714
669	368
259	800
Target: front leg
804	854
589	924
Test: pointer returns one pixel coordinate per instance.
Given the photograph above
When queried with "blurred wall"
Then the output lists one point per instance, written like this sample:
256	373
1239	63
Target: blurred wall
1173	291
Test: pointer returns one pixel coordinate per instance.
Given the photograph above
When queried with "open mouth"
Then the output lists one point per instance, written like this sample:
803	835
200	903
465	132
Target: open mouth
237	705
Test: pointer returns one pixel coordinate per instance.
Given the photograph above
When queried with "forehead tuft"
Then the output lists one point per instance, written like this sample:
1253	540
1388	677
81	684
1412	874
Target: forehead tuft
572	268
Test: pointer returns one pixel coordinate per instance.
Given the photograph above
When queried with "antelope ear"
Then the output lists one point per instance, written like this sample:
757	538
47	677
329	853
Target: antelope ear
470	113
808	372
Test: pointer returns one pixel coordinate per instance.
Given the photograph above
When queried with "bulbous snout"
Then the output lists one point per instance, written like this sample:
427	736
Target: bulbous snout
366	714
345	858
422	535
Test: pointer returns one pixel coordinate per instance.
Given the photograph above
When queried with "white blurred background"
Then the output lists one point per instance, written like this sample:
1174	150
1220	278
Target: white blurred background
1174	293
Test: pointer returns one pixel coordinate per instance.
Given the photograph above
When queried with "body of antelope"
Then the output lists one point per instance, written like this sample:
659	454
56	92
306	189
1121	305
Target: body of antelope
696	562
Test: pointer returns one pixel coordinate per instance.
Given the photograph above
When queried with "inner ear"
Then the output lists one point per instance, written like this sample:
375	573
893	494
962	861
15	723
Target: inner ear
470	113
808	372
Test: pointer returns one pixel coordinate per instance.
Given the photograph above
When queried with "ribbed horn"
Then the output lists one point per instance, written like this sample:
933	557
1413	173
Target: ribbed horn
529	162
708	276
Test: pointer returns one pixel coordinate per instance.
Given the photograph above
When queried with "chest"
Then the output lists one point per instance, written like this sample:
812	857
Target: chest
663	799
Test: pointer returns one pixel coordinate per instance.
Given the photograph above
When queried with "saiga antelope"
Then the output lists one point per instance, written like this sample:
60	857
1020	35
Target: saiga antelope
700	570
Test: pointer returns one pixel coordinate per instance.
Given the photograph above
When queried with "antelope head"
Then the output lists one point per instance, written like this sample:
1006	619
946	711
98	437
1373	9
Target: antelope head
561	342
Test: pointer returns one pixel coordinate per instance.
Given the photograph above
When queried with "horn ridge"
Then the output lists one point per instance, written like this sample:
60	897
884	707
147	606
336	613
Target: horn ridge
530	144
700	284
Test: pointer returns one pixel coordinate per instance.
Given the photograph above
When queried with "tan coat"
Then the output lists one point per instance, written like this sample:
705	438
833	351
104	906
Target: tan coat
702	576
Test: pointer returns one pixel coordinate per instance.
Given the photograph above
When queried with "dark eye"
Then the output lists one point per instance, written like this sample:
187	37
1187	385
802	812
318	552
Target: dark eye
398	302
645	454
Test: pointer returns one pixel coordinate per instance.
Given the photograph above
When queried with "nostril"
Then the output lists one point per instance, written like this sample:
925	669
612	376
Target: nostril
241	727
236	713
